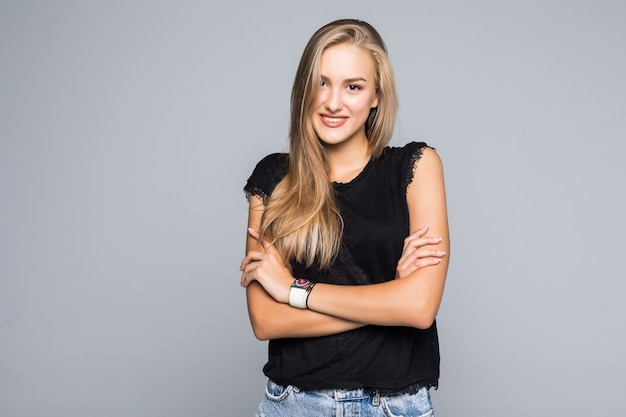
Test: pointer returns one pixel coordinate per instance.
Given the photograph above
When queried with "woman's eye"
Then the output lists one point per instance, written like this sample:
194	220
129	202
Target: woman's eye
353	87
322	83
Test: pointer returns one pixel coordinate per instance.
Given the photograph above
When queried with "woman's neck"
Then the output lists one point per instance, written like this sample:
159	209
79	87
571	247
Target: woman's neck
346	161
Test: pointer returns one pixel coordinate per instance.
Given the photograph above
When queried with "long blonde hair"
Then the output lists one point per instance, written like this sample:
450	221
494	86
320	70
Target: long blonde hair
301	217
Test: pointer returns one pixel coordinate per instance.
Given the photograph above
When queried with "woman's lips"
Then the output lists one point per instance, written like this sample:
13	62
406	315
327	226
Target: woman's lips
333	121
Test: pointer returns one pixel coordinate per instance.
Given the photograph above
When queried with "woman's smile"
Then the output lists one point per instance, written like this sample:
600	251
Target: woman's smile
333	121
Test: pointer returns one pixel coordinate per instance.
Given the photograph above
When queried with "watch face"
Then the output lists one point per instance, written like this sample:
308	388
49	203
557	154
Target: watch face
301	283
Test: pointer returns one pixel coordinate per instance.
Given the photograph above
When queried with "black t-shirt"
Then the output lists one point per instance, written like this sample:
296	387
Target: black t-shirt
376	221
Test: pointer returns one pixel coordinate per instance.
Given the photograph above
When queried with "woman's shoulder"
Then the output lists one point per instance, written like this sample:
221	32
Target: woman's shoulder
275	157
267	173
405	156
403	159
273	162
407	150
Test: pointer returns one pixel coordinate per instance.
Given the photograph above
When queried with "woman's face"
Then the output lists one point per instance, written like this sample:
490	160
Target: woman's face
345	95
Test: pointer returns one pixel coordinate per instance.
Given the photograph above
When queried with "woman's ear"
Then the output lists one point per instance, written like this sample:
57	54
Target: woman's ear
375	102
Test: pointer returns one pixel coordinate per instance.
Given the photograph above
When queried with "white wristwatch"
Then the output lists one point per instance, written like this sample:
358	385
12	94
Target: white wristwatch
299	292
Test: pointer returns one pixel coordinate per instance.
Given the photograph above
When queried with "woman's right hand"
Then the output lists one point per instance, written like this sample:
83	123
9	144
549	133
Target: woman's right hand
417	253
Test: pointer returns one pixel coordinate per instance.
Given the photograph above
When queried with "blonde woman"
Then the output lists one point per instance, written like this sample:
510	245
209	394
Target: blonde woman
347	243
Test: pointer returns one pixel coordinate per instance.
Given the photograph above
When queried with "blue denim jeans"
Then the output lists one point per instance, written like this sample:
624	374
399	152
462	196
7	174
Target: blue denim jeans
290	401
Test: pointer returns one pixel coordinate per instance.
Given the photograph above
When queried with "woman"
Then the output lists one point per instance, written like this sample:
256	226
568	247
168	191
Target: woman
356	329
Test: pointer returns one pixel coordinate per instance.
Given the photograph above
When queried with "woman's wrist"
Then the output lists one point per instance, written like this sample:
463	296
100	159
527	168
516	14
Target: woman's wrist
299	292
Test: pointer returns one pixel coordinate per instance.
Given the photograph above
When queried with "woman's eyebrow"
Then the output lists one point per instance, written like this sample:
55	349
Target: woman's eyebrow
353	80
348	80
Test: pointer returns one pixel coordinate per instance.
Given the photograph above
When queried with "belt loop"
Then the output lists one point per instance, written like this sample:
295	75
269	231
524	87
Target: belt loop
376	400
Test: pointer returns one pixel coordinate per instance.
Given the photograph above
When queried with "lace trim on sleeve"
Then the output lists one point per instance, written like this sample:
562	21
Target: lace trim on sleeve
251	190
410	172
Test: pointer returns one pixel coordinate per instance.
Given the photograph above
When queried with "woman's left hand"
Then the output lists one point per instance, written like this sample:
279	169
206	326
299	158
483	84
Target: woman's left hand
418	252
267	268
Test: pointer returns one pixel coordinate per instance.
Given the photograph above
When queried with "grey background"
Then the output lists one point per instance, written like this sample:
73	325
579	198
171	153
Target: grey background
127	130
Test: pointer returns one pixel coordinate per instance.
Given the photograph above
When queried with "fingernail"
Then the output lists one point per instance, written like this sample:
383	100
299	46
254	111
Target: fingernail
437	239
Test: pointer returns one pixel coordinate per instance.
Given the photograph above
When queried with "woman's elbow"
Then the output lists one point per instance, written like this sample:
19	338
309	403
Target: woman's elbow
260	313
260	334
424	322
421	316
261	329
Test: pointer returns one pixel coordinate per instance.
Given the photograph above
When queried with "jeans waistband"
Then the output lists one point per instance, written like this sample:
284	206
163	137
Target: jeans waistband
346	394
361	393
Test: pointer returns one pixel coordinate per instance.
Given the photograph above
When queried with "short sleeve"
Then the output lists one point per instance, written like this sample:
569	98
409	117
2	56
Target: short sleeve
411	153
266	175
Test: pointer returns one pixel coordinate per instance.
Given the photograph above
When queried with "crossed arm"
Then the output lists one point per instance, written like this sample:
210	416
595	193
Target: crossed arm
412	299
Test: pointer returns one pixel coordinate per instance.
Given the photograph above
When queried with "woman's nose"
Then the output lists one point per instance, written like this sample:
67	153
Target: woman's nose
333	101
